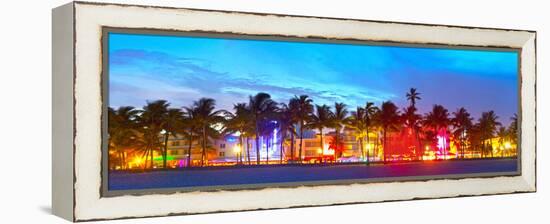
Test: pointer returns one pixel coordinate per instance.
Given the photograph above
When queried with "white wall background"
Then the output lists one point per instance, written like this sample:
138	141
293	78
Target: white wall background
25	112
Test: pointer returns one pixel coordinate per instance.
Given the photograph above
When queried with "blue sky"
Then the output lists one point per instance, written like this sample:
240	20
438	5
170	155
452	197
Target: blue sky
184	69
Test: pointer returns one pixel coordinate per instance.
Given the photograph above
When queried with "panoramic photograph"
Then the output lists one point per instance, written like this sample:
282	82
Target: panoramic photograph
218	112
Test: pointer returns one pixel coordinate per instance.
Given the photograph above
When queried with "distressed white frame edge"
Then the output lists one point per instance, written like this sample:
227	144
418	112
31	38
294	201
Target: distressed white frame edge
89	19
62	112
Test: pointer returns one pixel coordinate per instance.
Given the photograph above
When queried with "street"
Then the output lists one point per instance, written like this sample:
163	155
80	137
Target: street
284	174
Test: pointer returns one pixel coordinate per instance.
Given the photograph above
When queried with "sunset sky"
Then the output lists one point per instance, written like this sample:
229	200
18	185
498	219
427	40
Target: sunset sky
184	69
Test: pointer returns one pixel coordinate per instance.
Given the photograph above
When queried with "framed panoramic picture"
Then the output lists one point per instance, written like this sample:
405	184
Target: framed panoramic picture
181	107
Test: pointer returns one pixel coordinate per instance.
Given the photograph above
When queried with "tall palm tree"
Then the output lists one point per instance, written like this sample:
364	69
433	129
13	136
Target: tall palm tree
304	108
266	130
438	119
488	123
293	110
412	96
122	132
339	119
502	134
171	125
461	122
389	120
513	129
261	106
412	122
370	112
474	139
206	118
239	123
321	119
357	123
152	120
285	117
191	130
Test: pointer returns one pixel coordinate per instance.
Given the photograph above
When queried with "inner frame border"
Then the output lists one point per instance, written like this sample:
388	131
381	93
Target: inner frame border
106	30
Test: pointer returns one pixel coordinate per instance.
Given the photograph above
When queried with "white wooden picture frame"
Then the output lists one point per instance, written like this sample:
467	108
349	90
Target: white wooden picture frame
77	110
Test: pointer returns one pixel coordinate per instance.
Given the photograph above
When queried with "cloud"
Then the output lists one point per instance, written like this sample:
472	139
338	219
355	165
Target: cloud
139	75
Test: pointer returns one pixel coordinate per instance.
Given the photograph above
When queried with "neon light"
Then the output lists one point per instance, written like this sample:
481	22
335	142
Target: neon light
159	158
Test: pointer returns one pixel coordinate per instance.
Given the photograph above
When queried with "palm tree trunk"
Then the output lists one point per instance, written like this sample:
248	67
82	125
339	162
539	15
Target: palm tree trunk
125	160
462	146
121	159
151	152
368	145
301	140
292	146
322	145
281	150
483	149
361	147
267	144
337	142
384	145
376	143
165	152
240	150
420	148
189	149
146	159
257	149
491	148
203	154
248	149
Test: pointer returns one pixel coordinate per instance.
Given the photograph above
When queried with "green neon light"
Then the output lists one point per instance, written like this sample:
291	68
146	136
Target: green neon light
159	158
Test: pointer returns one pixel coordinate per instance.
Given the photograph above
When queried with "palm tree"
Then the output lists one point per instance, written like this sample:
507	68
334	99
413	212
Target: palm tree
171	125
502	135
413	118
338	120
412	96
191	129
389	120
261	105
239	123
488	124
152	120
304	108
370	112
322	118
293	110
285	116
438	119
461	122
513	129
357	123
206	117
266	130
412	121
122	132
